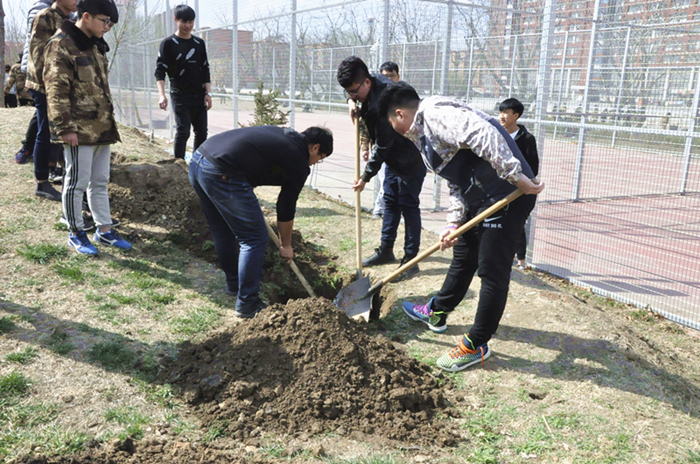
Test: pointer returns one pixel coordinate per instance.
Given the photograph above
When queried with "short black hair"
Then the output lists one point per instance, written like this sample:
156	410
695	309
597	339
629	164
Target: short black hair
351	71
7	67
397	95
389	66
114	15
512	104
94	7
184	13
322	136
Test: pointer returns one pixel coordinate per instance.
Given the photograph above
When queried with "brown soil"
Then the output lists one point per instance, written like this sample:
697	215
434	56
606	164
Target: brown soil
299	369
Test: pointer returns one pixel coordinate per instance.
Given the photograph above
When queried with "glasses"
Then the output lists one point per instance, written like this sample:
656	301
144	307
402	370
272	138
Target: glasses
106	22
354	92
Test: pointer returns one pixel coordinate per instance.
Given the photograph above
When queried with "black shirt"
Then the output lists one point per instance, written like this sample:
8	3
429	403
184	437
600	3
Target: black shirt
185	62
399	153
263	155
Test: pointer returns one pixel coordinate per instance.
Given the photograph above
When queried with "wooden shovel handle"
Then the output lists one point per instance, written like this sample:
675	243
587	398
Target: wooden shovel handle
461	230
296	270
358	229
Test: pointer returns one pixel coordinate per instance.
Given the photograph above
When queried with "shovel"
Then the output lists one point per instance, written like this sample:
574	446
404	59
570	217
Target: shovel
354	300
292	264
349	297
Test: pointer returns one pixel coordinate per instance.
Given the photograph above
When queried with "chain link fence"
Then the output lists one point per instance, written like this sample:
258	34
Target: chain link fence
610	89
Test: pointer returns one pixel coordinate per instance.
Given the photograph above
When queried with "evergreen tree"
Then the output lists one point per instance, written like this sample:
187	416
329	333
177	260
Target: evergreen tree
267	109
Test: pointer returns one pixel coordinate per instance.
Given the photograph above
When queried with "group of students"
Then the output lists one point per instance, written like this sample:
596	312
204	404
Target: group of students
482	160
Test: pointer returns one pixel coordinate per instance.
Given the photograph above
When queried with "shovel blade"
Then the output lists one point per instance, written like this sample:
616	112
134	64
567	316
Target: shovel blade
350	300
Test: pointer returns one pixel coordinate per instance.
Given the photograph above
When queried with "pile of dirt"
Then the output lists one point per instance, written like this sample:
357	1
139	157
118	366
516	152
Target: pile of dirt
307	368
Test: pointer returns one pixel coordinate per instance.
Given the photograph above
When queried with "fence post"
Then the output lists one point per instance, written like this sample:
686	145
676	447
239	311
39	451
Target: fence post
385	35
234	64
196	20
435	55
445	65
584	103
544	73
293	65
622	83
512	66
330	82
561	82
274	65
689	139
133	91
403	59
147	87
471	64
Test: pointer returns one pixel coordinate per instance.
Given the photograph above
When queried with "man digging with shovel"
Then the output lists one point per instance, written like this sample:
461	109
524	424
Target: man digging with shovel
482	165
224	171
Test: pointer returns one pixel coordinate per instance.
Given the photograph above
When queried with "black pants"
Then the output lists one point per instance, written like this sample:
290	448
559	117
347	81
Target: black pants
402	198
488	247
10	100
521	251
30	136
26	102
189	111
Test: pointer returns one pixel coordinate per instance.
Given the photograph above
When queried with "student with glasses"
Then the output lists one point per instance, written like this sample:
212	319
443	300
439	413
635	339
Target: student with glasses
82	118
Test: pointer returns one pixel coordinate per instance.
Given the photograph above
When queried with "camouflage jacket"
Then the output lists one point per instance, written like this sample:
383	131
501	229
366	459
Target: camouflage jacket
45	25
17	78
77	88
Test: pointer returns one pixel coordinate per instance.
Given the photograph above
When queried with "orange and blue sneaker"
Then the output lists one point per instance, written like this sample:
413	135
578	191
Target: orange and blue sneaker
462	356
435	320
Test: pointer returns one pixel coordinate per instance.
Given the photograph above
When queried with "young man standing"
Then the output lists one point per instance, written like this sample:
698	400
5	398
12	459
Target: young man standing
482	165
509	111
17	79
183	57
45	25
82	118
405	170
224	171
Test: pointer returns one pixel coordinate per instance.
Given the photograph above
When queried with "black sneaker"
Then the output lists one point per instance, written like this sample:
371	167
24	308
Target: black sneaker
248	313
381	256
46	190
87	218
56	175
229	292
409	273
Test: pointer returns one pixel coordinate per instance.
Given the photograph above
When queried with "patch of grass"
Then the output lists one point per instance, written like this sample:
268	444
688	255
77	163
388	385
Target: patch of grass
27	415
71	272
197	321
178	238
107	311
25	356
130	418
94	297
14	384
159	394
182	426
371	459
123	299
59	343
60	227
207	245
42	253
160	298
112	355
346	244
693	456
218	430
143	280
6	325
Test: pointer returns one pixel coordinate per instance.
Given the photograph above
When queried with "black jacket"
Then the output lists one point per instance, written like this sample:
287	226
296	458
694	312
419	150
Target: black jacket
528	147
399	153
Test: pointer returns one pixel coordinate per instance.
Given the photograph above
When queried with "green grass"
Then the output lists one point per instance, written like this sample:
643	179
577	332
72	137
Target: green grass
25	356
693	456
59	343
6	325
132	420
112	355
27	415
197	321
371	459
42	253
14	384
70	272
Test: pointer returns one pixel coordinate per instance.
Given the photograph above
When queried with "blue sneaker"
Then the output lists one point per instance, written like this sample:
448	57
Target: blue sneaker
81	243
23	156
462	356
437	322
111	238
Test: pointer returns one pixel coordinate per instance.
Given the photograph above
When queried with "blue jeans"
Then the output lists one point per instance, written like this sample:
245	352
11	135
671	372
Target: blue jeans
237	228
402	198
42	146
